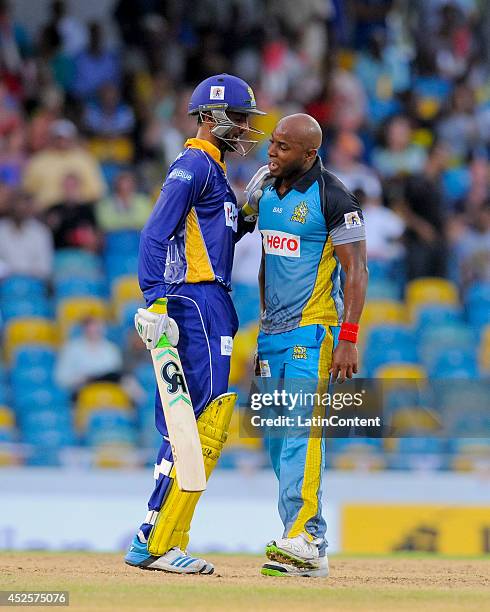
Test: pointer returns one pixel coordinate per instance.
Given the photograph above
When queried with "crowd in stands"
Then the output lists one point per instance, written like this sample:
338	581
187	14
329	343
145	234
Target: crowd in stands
88	128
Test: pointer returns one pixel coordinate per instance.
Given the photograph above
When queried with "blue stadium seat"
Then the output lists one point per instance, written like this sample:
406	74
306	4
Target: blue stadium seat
38	306
7	435
110	426
44	456
123	242
383	289
436	315
478	292
454	363
49	437
374	358
434	341
23	378
145	375
120	265
35	398
388	344
79	286
479	314
77	262
419	453
54	417
18	287
31	357
246	299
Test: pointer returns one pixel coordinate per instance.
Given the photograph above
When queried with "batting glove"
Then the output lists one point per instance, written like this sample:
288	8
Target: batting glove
254	192
154	322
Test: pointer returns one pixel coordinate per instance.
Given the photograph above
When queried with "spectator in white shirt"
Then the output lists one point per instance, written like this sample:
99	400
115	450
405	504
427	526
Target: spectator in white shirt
88	358
26	245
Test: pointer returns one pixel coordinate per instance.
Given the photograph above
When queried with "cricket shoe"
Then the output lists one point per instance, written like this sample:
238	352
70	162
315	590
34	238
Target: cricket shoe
274	568
175	560
298	552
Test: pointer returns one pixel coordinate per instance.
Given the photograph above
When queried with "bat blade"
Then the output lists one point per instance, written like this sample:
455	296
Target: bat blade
179	417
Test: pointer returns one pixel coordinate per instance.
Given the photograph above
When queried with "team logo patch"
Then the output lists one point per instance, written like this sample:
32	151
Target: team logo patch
281	244
180	174
265	369
352	219
300	212
299	352
231	215
217	92
252	96
226	345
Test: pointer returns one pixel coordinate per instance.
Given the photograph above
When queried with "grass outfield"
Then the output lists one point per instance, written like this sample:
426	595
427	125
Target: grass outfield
103	581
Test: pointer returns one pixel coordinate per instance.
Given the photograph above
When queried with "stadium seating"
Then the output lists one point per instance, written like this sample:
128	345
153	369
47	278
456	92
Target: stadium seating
28	332
18	287
120	265
72	311
101	395
78	263
22	308
110	427
423	291
122	242
125	290
78	287
383	312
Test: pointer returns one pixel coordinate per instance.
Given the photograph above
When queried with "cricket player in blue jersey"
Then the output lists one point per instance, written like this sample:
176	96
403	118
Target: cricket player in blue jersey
310	225
185	263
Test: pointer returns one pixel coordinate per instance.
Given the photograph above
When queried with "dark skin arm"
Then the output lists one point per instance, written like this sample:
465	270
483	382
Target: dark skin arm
353	259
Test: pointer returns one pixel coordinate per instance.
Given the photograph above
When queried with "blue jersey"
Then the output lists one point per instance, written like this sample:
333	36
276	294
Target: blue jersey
299	232
190	236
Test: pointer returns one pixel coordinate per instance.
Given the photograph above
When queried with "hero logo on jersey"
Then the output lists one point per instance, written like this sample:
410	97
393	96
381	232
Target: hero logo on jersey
352	219
217	92
231	215
281	243
180	174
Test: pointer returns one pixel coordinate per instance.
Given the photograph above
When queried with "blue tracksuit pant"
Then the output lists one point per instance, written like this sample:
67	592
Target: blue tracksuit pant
303	357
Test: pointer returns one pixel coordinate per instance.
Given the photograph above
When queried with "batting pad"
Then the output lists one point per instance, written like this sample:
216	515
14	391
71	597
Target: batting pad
173	522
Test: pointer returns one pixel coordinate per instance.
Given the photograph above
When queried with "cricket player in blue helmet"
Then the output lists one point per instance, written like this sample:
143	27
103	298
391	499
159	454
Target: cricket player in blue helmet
185	263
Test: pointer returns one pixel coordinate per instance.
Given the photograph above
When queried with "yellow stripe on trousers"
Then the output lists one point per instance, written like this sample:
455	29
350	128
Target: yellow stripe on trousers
313	462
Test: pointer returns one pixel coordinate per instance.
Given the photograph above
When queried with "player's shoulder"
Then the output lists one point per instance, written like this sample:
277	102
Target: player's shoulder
332	184
188	166
333	191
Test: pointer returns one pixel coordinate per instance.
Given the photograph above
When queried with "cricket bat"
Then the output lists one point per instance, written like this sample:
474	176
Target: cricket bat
179	417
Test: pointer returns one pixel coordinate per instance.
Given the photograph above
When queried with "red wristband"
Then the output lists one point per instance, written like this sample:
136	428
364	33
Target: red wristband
349	331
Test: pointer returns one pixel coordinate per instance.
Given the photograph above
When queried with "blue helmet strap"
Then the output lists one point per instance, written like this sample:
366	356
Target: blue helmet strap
222	128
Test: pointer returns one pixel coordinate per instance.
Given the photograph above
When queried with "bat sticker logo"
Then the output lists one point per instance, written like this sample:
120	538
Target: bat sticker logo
174	378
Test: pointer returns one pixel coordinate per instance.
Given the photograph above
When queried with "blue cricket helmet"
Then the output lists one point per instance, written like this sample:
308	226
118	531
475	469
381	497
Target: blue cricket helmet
223	92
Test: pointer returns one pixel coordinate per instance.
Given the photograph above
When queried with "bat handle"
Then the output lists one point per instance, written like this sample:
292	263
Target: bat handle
163	342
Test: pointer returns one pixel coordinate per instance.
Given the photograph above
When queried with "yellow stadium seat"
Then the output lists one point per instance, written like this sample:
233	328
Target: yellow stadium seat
31	331
401	371
9	457
484	352
244	346
414	418
116	456
430	291
7	418
378	312
72	311
125	289
96	396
